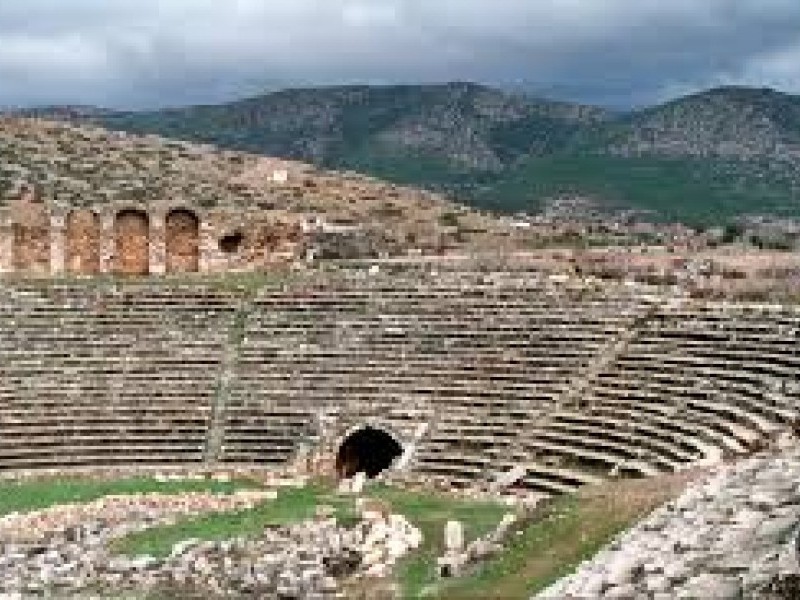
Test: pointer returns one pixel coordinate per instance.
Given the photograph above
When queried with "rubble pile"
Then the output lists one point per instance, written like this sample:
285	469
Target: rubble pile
122	512
66	550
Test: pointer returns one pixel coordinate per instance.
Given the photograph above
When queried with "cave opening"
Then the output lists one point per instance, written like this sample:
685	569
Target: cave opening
369	450
231	243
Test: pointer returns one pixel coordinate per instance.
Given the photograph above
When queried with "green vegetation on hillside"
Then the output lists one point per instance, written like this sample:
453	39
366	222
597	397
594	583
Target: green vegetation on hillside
685	189
705	158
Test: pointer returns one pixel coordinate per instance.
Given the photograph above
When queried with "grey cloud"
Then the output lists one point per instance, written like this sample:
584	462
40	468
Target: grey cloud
160	52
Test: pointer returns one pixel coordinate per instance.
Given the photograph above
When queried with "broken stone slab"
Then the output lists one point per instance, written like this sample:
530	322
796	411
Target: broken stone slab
454	536
712	587
451	565
624	569
625	591
504	480
359	480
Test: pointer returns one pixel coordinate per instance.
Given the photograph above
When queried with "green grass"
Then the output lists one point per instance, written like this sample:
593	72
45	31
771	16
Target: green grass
563	534
564	520
547	547
43	493
429	512
292	505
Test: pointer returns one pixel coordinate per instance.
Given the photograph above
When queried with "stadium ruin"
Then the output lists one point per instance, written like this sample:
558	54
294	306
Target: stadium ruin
132	341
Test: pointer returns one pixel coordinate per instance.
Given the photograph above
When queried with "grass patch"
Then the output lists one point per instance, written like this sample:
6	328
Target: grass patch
568	531
564	533
429	512
33	495
292	505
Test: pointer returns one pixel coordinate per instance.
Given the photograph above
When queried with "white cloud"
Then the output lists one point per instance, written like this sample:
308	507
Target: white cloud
779	69
366	14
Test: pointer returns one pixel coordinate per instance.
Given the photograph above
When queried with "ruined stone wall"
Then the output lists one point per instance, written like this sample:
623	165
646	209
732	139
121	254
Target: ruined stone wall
83	243
132	243
182	239
239	242
41	238
30	232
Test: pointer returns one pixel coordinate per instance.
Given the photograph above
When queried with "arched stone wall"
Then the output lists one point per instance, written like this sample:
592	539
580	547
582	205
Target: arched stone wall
119	238
83	243
132	242
182	241
31	239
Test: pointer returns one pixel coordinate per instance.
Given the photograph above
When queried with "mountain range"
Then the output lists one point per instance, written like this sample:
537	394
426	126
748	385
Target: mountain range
703	159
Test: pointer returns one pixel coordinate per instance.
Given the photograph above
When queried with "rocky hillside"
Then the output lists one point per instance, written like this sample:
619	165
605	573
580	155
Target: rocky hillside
738	123
458	127
75	165
705	158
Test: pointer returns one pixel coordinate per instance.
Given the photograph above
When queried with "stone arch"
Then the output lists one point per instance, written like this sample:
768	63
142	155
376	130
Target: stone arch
31	239
182	237
369	449
83	242
132	242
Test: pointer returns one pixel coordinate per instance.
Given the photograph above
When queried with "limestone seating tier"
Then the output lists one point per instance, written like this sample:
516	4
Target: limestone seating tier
167	372
94	376
691	385
729	535
483	356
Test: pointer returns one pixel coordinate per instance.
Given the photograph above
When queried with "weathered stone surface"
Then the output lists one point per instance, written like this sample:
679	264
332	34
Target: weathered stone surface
67	548
59	168
730	536
454	536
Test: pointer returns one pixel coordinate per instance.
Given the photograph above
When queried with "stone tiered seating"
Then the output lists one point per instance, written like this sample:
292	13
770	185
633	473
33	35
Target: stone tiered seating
569	380
697	383
479	356
94	375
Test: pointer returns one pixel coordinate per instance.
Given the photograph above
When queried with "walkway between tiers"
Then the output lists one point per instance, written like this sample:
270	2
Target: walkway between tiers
230	358
584	380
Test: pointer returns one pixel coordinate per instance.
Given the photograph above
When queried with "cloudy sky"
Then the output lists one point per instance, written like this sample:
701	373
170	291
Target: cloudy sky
148	53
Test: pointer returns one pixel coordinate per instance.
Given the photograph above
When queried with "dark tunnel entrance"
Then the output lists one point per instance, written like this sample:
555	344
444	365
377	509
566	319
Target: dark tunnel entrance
369	450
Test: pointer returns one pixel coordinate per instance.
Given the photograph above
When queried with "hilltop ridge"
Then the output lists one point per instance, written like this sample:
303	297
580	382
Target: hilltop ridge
707	158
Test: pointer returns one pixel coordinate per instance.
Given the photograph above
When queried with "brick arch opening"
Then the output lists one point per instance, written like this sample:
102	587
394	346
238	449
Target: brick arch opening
83	243
31	239
182	241
132	242
369	450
